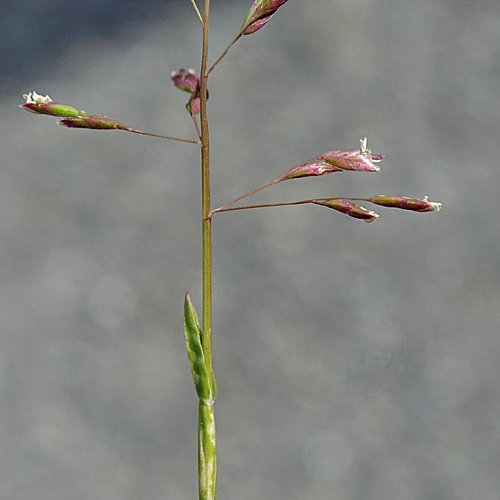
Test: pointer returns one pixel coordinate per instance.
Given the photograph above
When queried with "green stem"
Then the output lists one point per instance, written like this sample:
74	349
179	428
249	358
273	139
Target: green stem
207	447
205	180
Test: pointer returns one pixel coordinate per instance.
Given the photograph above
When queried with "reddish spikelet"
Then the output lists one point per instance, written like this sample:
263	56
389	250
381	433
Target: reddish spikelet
405	203
185	79
96	122
362	160
259	14
348	208
309	168
43	105
194	104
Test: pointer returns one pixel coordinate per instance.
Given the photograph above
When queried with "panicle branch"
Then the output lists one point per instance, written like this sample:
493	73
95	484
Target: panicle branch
72	118
346	205
197	11
259	14
362	160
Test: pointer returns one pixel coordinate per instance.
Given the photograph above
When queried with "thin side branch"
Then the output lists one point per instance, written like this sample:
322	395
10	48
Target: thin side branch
165	136
260	205
220	209
197	11
226	50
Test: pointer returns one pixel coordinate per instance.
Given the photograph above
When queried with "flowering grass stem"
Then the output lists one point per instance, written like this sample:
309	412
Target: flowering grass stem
207	445
199	337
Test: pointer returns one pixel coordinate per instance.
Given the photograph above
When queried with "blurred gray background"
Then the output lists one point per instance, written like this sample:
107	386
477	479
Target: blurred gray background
354	361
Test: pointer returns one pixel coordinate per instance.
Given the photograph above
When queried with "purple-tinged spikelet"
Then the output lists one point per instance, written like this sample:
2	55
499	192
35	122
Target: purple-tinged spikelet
187	80
259	14
405	203
309	168
96	122
348	208
43	105
361	160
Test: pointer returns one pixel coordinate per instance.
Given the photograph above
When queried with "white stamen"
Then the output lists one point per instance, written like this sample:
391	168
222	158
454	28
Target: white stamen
363	143
34	98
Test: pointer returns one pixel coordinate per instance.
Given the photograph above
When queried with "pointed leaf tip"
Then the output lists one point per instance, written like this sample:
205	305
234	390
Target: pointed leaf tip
193	336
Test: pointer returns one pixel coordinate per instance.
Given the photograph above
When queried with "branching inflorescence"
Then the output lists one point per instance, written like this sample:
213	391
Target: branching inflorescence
199	339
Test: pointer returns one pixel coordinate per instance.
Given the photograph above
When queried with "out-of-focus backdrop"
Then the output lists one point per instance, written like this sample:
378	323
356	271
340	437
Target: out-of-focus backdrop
354	361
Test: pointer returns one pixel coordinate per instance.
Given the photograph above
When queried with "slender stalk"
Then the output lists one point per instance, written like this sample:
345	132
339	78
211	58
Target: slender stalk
197	11
284	204
207	447
221	209
193	117
164	136
263	205
226	50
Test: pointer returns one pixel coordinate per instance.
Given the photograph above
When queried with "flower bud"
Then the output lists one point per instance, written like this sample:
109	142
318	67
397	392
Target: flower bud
43	105
96	122
259	14
406	203
348	208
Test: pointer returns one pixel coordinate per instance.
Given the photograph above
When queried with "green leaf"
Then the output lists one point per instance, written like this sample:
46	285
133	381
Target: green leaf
193	335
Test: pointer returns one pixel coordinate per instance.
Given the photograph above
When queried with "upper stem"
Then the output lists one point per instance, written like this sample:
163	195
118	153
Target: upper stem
205	180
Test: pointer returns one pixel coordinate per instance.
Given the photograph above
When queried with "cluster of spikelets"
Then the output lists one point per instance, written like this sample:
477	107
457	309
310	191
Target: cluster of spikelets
362	159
